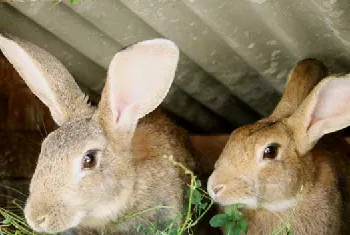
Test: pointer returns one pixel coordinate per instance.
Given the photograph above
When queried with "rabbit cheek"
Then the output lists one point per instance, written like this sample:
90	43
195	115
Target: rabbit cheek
278	186
226	189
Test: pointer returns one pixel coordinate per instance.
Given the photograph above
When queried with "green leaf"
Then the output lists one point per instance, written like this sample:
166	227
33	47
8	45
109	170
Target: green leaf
244	226
239	205
236	231
288	226
196	197
74	1
237	215
219	220
6	221
198	184
229	228
229	209
139	228
203	205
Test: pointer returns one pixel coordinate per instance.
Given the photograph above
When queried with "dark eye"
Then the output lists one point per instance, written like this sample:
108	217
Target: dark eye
271	151
90	159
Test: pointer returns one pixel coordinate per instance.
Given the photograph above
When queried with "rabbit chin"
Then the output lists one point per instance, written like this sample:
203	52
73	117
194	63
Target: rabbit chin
249	203
252	203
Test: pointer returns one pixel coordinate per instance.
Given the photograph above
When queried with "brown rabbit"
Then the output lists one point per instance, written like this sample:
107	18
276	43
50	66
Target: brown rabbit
265	165
104	163
207	149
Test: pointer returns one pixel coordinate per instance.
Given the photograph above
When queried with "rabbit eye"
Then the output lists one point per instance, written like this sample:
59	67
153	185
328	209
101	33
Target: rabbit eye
90	159
271	151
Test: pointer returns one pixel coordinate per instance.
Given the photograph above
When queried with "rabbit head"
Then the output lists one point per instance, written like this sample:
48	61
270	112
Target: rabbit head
85	171
264	165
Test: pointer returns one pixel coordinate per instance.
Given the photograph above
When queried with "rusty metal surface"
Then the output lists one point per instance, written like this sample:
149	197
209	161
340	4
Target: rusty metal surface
236	55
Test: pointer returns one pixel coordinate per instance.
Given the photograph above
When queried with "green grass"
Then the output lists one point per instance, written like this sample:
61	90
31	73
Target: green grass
197	205
286	226
13	224
232	221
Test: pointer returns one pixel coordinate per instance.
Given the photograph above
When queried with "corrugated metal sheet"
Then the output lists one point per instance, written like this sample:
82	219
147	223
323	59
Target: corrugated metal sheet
236	54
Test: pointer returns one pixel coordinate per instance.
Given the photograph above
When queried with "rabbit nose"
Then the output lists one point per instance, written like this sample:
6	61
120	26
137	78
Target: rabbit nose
42	221
218	188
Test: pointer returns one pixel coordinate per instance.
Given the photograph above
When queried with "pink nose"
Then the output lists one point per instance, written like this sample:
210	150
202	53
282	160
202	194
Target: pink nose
218	188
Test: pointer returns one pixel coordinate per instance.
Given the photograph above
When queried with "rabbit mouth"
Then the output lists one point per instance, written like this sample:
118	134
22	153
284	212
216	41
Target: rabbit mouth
49	223
227	193
248	202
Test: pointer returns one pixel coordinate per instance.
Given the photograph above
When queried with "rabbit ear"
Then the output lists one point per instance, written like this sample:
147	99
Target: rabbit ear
46	77
325	110
138	80
302	79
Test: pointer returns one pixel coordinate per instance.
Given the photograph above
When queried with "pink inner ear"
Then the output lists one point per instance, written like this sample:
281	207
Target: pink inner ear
139	78
119	106
129	94
135	86
333	100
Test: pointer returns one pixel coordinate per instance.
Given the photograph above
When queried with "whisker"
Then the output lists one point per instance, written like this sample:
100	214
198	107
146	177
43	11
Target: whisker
258	197
245	175
13	189
17	211
278	216
35	142
39	129
42	121
10	197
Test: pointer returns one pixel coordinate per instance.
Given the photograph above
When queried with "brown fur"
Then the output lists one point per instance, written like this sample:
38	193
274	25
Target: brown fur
131	173
308	71
155	174
304	76
150	179
271	188
207	150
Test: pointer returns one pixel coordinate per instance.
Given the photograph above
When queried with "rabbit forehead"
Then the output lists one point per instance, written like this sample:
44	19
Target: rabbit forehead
246	140
73	137
60	150
244	149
